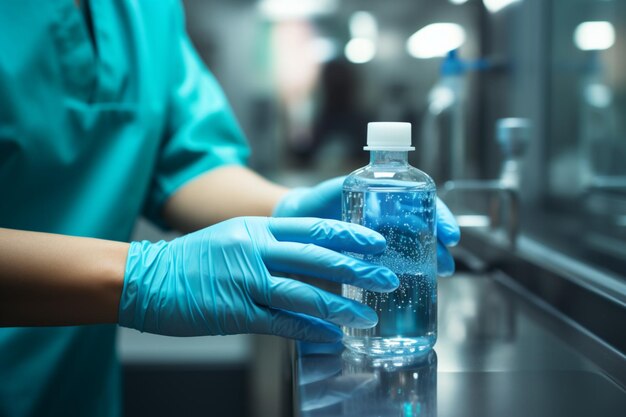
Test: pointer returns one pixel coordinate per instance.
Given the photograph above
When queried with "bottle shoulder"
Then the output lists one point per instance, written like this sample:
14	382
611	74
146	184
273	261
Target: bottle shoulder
405	176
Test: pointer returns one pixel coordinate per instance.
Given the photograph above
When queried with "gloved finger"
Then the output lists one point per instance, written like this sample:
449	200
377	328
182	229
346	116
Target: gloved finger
295	326
298	297
448	231
331	234
445	261
318	262
327	202
332	187
323	200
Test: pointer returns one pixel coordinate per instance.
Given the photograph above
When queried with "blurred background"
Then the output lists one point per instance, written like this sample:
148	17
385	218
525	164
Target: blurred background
304	77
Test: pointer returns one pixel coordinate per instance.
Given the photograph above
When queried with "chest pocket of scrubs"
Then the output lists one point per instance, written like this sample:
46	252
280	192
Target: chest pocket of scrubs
76	51
101	103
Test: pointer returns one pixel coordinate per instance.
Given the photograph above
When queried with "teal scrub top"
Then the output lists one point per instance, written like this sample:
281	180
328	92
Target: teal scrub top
95	131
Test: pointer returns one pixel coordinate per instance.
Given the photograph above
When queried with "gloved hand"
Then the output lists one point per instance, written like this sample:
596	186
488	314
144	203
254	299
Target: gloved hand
225	279
324	200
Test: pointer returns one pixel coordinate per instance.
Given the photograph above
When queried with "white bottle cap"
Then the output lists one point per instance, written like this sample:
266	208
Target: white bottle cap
389	136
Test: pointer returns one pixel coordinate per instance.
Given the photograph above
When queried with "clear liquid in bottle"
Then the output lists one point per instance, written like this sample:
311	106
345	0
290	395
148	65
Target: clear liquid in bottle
398	201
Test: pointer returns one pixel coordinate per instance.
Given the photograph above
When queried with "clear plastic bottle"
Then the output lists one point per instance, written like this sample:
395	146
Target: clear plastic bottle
399	201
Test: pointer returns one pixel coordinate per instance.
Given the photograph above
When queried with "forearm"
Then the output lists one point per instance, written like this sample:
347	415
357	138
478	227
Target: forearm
219	195
49	280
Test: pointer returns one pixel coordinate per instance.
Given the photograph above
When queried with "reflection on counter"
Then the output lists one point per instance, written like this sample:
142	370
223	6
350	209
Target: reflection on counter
349	384
474	313
498	354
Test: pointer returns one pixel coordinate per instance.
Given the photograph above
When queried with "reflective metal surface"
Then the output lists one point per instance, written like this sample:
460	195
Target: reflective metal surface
497	355
504	193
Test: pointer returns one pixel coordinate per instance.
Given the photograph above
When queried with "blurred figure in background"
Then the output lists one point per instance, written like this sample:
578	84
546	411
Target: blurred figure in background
341	116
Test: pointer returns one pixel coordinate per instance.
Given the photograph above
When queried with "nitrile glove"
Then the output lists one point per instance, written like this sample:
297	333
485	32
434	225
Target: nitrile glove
225	279
324	200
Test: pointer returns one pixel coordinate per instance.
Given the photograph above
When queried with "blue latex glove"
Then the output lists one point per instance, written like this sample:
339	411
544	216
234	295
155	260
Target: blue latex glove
324	200
225	279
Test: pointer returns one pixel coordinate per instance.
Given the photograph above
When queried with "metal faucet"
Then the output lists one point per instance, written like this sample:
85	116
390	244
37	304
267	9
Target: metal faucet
504	193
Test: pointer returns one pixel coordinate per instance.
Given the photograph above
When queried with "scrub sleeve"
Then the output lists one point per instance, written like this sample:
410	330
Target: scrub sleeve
91	136
201	134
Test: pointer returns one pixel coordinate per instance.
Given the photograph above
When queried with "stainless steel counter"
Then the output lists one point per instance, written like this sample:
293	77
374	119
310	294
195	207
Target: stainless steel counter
499	353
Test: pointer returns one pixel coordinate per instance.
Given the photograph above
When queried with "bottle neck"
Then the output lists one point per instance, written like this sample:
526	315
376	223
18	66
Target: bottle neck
389	158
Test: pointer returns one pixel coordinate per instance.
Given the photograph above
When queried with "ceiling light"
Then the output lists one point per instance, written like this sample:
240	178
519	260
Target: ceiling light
495	6
363	25
597	36
360	50
435	40
295	9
